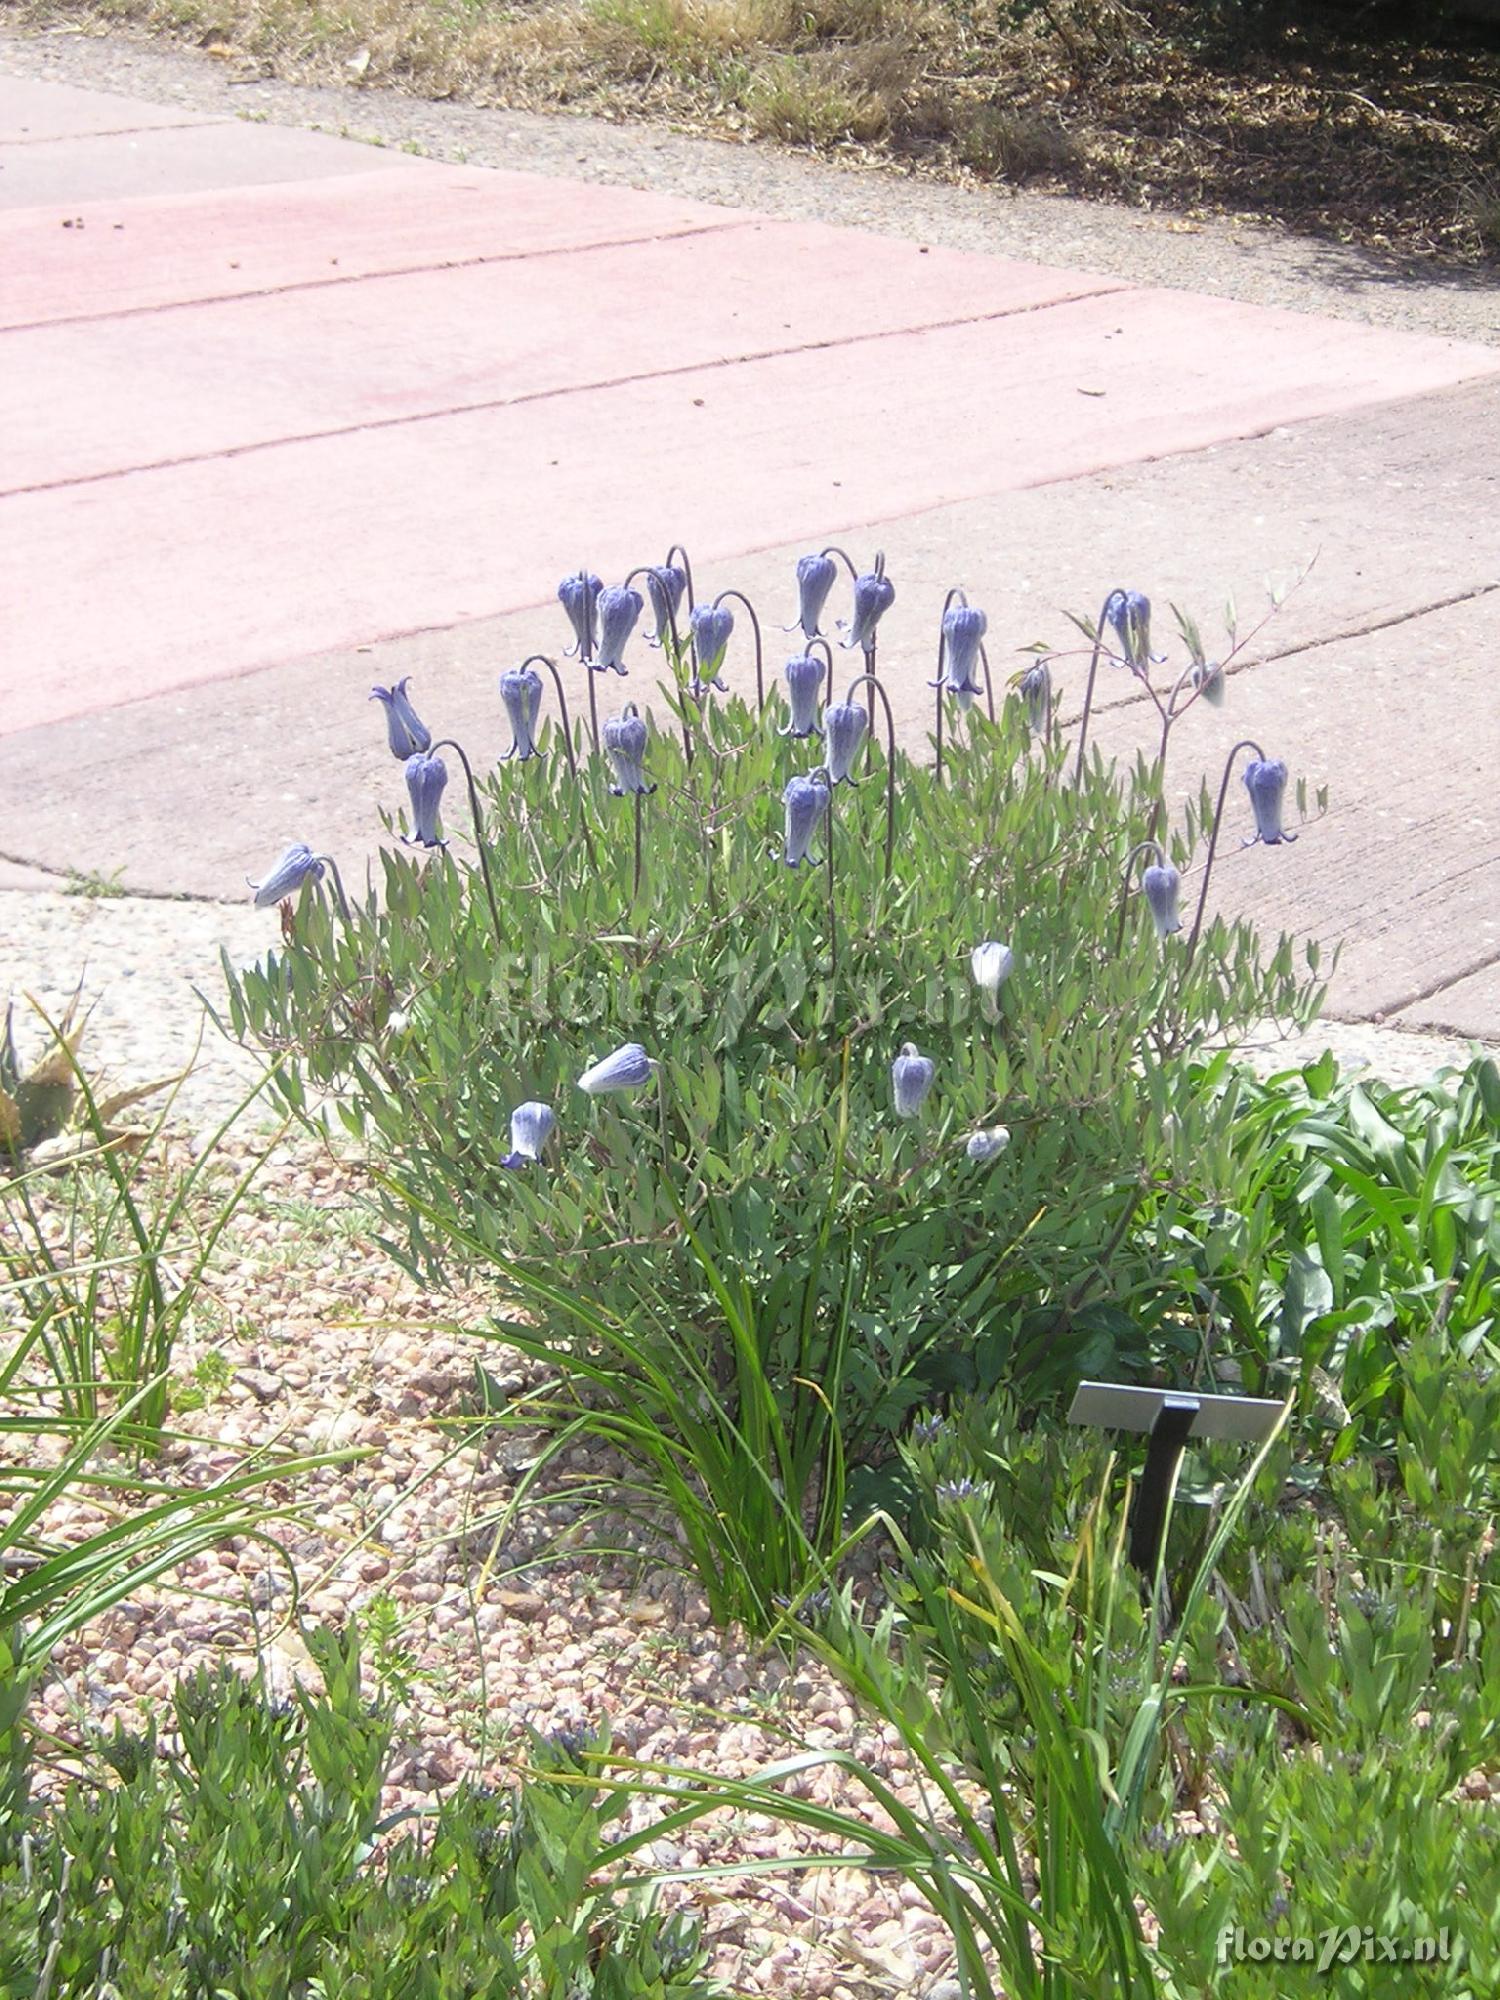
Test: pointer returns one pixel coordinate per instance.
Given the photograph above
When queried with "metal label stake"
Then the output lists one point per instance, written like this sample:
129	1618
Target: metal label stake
1170	1418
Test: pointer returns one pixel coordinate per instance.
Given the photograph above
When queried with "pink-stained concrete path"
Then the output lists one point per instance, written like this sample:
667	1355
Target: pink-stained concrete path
281	415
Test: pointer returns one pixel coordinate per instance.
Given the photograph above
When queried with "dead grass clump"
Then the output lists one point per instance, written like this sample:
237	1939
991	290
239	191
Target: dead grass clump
1003	143
817	100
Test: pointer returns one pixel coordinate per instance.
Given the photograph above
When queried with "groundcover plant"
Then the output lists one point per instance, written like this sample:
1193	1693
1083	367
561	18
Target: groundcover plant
785	1081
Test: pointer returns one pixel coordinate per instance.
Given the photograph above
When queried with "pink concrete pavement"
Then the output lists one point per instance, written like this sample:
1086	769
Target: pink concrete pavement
269	400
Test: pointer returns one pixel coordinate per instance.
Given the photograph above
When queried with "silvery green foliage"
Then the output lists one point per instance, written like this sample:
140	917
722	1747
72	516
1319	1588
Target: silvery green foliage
766	1143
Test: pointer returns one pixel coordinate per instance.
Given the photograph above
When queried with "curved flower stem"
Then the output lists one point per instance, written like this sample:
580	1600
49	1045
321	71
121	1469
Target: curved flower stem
338	888
640	805
878	687
1141	847
588	668
828	656
541	659
567	736
833	921
760	671
869	675
833	549
1245	743
687	568
449	743
962	597
1088	692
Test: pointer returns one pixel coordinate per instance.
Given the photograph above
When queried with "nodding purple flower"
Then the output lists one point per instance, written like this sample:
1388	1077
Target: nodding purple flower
405	730
989	1144
298	865
964	628
521	691
1129	613
911	1079
815	578
1265	781
629	1068
1035	690
804	683
619	608
625	738
531	1126
711	626
806	801
1208	678
874	594
991	965
425	779
844	724
1163	886
665	586
579	596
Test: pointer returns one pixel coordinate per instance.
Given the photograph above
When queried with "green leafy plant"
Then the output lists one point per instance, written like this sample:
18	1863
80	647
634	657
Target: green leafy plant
103	1258
253	1859
757	1223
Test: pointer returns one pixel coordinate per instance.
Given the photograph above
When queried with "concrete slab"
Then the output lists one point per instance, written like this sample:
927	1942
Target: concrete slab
181	159
1403	875
240	505
32	111
397	215
1164	525
137	584
1469	1006
86	400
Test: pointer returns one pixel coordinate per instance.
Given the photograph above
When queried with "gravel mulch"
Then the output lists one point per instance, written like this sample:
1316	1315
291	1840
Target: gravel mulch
308	1337
316	1342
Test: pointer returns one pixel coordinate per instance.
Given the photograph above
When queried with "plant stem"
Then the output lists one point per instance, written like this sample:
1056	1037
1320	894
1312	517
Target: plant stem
450	743
1141	847
541	659
640	804
1088	692
760	672
1245	743
878	687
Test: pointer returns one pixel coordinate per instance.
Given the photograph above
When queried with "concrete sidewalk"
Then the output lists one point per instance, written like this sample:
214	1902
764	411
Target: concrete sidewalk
284	415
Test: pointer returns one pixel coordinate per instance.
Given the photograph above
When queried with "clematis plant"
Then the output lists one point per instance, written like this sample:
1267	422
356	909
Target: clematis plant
911	1079
815	579
426	780
531	1126
297	865
628	1068
521	692
805	801
405	731
804	683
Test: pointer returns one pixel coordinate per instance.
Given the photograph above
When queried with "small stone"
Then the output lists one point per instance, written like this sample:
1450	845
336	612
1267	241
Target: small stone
262	1384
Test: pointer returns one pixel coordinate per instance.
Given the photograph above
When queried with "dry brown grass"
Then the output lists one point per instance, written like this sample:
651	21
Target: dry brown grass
1380	142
